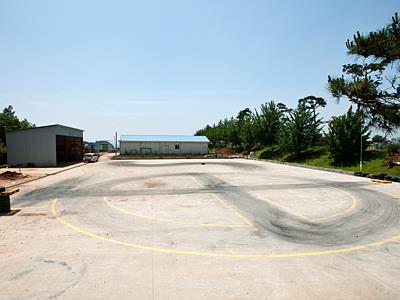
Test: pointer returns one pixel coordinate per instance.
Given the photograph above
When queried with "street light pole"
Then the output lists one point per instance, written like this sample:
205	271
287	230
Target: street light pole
116	143
361	150
361	139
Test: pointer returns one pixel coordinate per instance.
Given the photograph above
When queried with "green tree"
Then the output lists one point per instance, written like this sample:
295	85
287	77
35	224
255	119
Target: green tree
344	137
283	108
233	132
313	102
245	123
301	129
372	84
378	139
9	121
268	122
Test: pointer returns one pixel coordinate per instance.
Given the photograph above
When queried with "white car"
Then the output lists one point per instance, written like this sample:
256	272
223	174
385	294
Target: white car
90	157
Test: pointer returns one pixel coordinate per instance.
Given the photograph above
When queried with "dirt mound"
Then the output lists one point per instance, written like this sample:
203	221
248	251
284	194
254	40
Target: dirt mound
225	152
10	175
393	160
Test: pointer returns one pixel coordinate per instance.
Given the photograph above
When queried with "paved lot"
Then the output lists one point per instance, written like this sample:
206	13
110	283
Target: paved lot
201	229
30	174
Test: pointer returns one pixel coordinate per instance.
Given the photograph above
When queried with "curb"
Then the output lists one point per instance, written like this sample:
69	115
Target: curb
304	166
337	171
37	178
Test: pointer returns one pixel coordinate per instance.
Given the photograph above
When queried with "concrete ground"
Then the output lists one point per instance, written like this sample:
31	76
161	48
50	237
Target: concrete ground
30	174
201	229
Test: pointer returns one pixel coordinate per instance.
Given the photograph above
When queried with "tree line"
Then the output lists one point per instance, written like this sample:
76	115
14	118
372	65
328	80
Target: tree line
291	130
372	85
8	122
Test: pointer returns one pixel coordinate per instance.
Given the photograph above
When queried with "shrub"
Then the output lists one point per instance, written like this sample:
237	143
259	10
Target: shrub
344	137
269	153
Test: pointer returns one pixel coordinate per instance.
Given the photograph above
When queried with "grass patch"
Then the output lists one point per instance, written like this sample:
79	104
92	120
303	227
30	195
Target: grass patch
374	162
306	155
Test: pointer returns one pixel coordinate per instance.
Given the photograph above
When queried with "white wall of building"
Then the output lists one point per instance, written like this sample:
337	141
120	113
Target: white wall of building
195	148
129	147
163	147
36	146
61	130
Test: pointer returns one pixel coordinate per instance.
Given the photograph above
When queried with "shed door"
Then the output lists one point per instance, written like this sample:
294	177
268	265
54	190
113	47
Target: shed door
164	149
68	149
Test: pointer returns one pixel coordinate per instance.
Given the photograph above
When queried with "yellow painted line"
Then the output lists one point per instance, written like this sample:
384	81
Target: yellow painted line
290	211
238	214
213	254
198	182
354	203
226	205
122	210
313	220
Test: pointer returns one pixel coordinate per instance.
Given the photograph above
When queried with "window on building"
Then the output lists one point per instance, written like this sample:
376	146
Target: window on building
176	147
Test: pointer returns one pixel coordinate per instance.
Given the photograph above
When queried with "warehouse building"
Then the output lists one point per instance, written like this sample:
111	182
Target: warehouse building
45	146
103	146
163	144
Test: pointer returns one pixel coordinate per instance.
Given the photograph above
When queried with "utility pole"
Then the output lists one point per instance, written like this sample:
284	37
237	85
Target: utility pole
361	140
360	111
116	143
361	150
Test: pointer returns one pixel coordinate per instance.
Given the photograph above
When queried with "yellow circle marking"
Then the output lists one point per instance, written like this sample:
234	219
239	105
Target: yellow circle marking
226	205
313	220
234	211
212	254
354	203
122	210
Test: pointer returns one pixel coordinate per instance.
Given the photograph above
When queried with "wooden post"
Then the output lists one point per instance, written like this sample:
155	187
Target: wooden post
5	205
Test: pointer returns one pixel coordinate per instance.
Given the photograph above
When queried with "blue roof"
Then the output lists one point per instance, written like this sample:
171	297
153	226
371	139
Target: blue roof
164	138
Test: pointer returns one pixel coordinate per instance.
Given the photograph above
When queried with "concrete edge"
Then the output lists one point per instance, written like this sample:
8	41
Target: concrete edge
47	175
304	166
310	167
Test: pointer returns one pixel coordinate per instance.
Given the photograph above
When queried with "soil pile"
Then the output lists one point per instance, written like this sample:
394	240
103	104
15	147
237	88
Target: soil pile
225	152
10	175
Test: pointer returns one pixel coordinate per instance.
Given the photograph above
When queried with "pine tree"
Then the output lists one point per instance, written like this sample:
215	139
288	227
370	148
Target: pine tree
301	129
371	85
268	123
344	137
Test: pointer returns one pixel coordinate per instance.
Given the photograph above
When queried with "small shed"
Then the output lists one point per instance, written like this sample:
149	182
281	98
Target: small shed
45	146
103	146
163	144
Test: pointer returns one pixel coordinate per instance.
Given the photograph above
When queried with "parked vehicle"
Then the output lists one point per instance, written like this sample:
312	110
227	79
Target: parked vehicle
90	157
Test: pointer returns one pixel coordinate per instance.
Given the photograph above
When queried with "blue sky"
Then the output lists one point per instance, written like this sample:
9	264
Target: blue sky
171	67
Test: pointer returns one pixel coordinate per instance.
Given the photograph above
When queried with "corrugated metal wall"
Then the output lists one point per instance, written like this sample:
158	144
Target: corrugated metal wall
163	148
36	146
